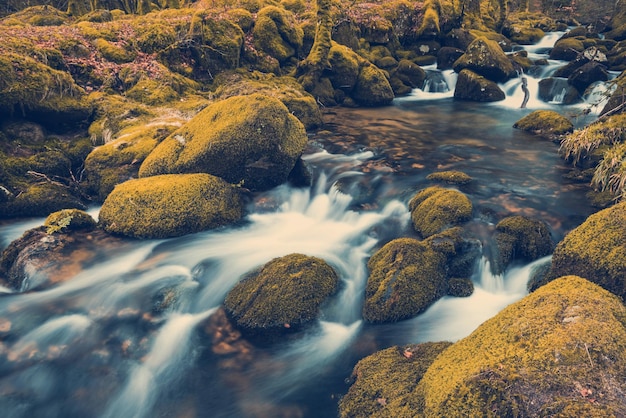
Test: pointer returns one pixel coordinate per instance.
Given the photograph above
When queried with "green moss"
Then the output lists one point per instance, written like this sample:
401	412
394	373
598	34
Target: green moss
242	17
170	205
450	177
406	277
152	92
385	379
114	53
251	139
430	24
486	58
596	250
285	294
554	352
41	16
372	87
521	238
345	65
435	209
155	36
545	123
40	199
276	33
68	219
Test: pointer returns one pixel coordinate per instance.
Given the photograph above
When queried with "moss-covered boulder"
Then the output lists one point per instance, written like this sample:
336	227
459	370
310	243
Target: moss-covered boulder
486	58
283	296
170	205
474	87
39	199
545	122
567	49
406	277
461	249
253	140
560	352
596	250
384	380
68	220
447	56
345	67
520	238
372	87
47	96
276	33
409	73
434	209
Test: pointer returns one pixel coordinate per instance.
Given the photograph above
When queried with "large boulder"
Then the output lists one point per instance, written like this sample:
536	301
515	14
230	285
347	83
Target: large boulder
170	205
486	58
276	33
545	122
587	74
253	140
552	88
372	87
435	208
283	296
521	238
596	250
567	49
560	351
474	87
406	277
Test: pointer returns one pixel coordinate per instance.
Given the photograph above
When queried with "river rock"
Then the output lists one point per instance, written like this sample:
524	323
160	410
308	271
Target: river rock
372	87
486	58
552	86
587	74
435	208
253	140
447	56
617	101
406	277
276	33
520	238
381	381
471	86
567	49
545	123
596	250
283	296
170	205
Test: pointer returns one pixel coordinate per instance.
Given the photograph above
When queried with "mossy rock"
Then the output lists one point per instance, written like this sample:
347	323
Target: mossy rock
461	249
447	56
434	209
170	205
114	53
253	140
372	87
460	287
300	103
406	277
155	37
567	49
152	92
345	66
545	122
521	238
242	17
41	16
559	350
450	177
383	380
285	295
617	57
474	87
40	93
40	199
486	58
68	220
276	33
596	250
410	74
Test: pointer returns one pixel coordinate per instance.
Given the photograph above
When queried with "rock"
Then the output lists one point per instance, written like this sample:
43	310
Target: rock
434	209
252	139
617	57
545	123
460	288
276	33
447	56
596	250
471	86
450	177
345	67
410	74
587	74
514	363
372	87
551	87
69	220
170	205
486	58
283	296
461	249
617	101
520	238
406	277
567	49
40	199
399	368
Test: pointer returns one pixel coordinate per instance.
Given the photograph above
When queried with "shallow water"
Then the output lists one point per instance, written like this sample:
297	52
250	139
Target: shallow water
126	337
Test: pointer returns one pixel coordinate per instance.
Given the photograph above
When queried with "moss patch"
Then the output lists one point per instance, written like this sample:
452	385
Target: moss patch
450	177
435	209
170	205
545	123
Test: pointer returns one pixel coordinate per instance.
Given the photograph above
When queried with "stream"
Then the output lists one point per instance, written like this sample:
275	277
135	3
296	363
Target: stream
95	346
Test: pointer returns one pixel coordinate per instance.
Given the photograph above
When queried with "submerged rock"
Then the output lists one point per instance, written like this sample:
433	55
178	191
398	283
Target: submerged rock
253	140
545	122
170	205
283	296
434	209
596	250
406	277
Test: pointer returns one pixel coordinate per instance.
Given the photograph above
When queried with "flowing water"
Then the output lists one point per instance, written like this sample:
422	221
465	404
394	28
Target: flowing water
129	336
